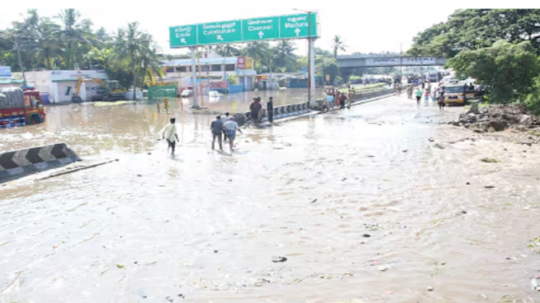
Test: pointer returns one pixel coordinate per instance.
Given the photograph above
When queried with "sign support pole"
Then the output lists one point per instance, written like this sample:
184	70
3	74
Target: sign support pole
200	80
194	78
311	63
312	69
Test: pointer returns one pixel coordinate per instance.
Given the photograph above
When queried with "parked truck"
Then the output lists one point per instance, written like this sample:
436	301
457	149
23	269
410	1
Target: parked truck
20	107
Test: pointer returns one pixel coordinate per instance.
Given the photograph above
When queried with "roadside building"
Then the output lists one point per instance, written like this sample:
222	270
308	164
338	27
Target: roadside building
61	84
238	72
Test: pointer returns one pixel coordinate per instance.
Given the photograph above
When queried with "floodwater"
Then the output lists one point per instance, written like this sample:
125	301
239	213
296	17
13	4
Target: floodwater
205	226
240	102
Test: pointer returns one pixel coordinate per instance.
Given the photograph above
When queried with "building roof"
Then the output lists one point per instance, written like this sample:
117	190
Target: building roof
203	61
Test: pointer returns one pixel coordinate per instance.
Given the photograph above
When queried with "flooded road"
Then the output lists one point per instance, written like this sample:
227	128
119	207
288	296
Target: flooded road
240	102
360	202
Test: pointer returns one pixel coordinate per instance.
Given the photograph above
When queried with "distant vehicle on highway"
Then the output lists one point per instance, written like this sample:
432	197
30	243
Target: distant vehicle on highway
458	94
187	93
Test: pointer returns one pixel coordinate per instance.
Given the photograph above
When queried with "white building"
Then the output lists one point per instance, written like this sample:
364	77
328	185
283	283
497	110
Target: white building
214	68
60	84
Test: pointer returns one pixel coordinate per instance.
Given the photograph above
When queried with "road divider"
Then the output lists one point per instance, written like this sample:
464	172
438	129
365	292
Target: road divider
23	162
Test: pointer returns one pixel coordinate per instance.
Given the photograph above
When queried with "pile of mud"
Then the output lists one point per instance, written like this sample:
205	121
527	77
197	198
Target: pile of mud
495	118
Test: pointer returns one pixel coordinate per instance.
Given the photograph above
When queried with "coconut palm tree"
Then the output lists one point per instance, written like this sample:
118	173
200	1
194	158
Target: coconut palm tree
283	53
227	50
150	63
338	45
74	33
129	43
255	50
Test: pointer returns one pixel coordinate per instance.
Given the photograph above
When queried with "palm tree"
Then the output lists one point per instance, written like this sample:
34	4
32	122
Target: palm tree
227	50
74	31
283	53
48	40
150	63
255	50
338	45
129	44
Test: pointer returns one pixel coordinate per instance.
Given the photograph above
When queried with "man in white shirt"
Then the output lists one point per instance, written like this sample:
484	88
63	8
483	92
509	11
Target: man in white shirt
169	134
230	129
225	119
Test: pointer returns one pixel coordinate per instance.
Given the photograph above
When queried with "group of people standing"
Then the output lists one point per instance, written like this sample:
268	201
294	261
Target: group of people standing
429	93
257	111
335	97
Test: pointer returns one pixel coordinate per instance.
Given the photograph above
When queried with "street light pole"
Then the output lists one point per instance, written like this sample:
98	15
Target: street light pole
20	60
309	58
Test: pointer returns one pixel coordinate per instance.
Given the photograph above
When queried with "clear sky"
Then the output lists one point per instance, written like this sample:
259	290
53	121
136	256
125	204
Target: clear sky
365	26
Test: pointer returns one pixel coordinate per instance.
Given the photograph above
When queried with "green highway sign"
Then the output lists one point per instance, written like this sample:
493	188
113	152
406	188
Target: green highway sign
260	28
219	32
296	26
238	31
183	35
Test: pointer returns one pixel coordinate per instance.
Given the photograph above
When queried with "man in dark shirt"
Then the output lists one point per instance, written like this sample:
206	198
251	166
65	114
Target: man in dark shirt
270	109
255	107
217	128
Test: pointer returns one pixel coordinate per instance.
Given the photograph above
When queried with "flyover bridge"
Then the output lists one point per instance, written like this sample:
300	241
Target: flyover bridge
359	61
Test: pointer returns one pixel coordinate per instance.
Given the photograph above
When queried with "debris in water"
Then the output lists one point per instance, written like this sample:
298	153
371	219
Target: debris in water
168	298
431	140
468	183
535	282
430	288
120	266
149	154
215	251
383	268
279	259
139	175
489	186
438	146
489	160
366	235
314	201
404	150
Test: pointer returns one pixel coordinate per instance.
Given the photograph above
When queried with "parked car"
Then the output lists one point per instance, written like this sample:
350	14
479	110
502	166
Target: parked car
187	93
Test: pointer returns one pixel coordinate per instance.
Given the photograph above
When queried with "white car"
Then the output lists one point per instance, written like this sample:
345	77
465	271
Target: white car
187	93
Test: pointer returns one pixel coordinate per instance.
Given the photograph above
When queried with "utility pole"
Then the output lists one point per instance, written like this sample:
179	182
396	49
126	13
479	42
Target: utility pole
20	60
311	68
401	59
200	79
194	78
309	59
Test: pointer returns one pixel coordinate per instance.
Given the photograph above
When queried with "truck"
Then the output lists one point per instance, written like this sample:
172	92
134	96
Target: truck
20	107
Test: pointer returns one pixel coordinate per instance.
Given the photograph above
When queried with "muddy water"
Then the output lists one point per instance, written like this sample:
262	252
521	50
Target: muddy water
204	226
240	102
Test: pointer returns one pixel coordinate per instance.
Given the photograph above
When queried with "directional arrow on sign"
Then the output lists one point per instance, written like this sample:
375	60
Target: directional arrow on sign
297	31
261	34
183	40
220	38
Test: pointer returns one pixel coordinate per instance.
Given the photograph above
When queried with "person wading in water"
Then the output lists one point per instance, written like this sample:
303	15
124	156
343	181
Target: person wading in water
169	134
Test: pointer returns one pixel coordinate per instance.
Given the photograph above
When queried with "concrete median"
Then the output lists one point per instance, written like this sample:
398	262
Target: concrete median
23	162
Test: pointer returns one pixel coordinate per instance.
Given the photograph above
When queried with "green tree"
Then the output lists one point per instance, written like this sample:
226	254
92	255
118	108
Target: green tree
255	50
129	44
284	54
150	62
75	33
472	29
227	50
508	70
338	45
